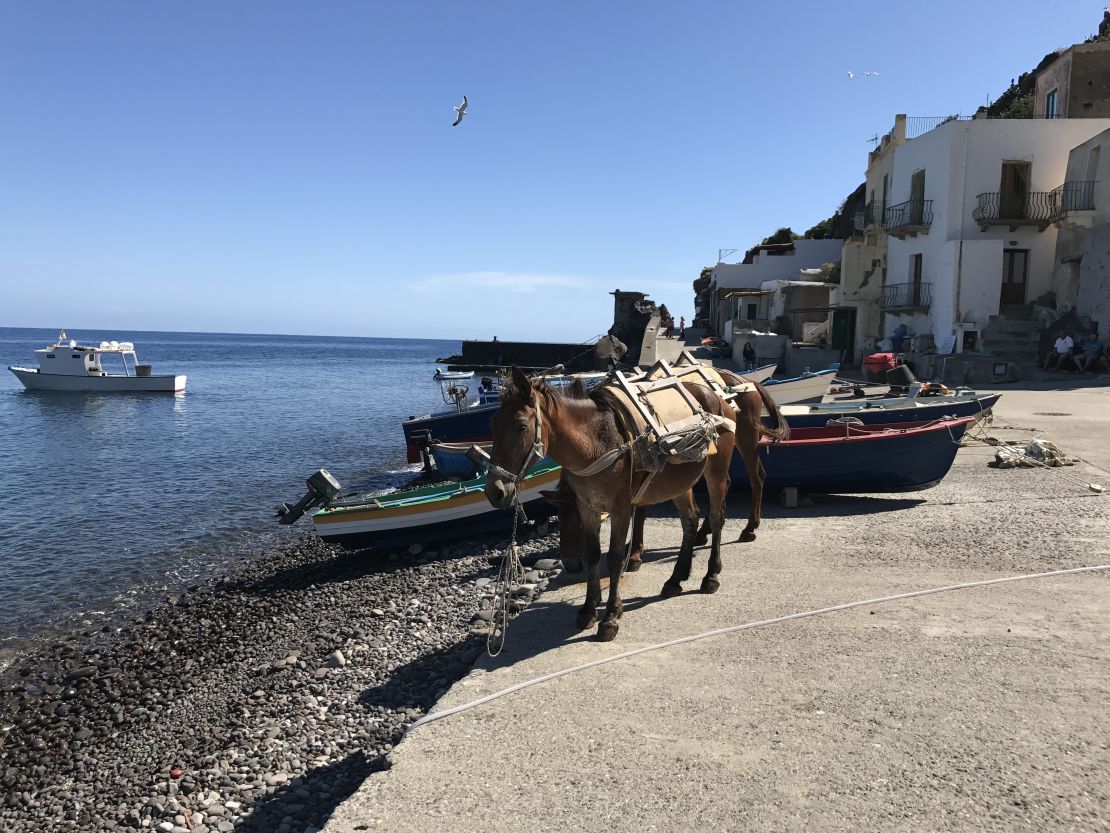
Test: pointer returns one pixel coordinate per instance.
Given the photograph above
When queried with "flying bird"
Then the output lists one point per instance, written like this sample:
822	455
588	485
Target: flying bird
851	75
870	74
460	111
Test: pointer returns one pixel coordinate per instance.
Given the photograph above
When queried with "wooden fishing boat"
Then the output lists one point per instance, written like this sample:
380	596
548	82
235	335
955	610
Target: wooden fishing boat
859	458
433	513
804	388
902	411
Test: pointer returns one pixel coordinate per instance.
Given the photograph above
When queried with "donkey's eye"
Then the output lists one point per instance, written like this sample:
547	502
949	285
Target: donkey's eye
521	427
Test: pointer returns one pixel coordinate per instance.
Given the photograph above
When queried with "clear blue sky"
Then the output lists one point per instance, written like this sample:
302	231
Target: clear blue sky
291	167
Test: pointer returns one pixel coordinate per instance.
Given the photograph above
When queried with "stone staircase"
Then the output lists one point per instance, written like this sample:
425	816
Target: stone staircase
1013	335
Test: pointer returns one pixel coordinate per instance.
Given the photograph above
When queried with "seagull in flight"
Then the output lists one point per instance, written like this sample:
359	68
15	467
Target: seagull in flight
460	111
871	74
851	75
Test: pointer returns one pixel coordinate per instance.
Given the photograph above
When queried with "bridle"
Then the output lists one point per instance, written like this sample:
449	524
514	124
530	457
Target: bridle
536	452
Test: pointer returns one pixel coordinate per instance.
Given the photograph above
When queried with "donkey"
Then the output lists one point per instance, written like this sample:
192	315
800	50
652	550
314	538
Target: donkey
748	406
534	420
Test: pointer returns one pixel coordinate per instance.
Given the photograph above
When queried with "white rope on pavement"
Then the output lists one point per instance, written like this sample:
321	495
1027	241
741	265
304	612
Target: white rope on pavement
434	716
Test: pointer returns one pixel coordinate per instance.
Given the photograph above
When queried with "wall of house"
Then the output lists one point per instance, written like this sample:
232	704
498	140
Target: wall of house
1093	297
808	254
1089	91
963	159
1056	75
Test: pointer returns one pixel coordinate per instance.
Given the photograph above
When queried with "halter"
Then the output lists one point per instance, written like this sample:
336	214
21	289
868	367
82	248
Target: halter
535	453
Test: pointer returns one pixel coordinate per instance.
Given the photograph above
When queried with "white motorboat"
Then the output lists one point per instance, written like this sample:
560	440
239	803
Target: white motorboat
444	375
69	366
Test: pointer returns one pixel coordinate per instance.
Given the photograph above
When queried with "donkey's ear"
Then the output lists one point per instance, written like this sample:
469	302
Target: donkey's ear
553	496
521	383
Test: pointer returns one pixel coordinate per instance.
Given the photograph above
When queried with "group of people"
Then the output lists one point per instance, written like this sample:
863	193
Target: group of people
668	323
1089	356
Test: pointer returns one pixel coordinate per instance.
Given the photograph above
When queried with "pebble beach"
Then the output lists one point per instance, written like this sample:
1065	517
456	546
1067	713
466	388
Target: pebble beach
253	702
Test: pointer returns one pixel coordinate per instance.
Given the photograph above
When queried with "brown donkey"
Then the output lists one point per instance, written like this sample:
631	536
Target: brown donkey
536	420
748	406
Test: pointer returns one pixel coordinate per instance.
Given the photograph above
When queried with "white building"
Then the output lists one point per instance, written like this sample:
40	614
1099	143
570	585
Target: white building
1081	279
970	217
769	263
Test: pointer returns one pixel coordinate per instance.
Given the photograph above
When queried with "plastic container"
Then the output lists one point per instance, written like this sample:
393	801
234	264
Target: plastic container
876	366
142	369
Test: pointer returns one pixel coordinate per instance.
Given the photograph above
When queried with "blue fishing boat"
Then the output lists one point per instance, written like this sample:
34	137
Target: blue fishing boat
859	458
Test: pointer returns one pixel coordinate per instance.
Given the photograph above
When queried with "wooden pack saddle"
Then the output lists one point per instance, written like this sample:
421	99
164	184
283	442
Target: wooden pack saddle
668	424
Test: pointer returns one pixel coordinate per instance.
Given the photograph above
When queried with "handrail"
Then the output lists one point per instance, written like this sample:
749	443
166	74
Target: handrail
909	213
1076	195
1003	207
918	295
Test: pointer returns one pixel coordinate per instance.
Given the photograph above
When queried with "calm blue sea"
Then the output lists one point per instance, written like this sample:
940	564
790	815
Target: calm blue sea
108	499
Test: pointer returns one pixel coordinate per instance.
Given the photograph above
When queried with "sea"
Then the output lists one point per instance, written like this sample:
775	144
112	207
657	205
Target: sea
113	501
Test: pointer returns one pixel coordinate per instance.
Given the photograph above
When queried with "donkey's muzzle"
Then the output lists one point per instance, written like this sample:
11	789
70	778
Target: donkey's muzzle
499	493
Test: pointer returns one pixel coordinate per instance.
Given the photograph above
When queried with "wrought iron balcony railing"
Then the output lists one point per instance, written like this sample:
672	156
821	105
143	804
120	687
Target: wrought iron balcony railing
1076	195
908	216
907	296
1035	208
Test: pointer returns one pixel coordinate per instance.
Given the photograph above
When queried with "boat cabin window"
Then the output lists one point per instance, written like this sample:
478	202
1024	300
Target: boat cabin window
49	355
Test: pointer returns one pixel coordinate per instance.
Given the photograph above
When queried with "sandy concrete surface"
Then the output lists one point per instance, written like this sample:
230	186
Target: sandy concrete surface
981	709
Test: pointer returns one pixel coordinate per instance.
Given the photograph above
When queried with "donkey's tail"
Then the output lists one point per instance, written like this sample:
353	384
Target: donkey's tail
779	429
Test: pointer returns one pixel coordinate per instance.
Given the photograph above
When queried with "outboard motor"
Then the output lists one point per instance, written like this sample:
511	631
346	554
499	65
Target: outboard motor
322	489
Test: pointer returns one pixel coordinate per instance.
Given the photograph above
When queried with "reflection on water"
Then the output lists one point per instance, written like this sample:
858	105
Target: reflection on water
108	492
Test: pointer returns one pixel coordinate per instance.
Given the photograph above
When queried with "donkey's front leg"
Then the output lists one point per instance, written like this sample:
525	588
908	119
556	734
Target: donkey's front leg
591	558
688	510
619	519
636	548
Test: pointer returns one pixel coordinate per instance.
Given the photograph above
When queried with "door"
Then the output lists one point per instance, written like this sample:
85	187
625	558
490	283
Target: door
1015	270
843	337
1013	191
917	198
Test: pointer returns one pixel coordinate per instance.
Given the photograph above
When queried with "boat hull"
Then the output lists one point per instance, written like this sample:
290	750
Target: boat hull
466	512
804	389
34	380
870	461
916	411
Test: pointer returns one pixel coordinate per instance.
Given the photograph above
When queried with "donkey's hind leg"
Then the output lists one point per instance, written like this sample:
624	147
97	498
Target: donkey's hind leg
688	509
756	474
717	483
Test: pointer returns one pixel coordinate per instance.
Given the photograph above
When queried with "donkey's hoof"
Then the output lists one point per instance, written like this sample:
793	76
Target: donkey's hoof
633	565
701	539
572	565
747	535
607	631
710	584
670	589
585	619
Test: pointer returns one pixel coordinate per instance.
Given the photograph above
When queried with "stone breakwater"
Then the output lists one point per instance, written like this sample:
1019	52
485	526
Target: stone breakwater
255	703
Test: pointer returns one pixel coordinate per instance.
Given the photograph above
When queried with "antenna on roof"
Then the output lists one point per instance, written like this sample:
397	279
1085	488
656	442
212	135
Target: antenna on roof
723	253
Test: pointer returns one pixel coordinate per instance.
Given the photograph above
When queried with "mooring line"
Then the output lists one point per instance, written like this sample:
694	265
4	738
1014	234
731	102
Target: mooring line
434	716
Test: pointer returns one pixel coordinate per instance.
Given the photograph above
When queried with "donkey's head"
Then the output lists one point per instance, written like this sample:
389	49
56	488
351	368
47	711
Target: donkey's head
517	439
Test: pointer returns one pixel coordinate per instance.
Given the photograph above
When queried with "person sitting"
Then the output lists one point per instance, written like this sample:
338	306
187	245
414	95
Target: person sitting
1104	359
1090	355
1060	354
749	356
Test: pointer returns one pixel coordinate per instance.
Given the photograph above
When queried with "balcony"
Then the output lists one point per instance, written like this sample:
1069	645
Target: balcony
1075	205
909	218
1035	208
870	217
907	297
